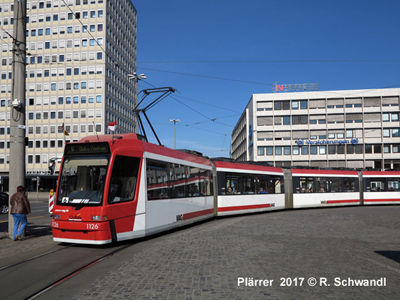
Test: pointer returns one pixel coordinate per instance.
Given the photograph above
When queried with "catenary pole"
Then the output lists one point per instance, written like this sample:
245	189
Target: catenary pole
17	108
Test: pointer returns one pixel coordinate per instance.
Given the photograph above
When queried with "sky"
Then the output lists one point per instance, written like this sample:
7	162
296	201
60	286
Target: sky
217	53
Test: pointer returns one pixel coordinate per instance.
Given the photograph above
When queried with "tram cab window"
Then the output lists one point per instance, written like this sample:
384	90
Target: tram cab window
82	180
123	179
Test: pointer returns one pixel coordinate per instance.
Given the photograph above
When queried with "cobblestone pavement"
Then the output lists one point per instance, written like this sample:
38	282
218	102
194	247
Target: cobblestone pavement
289	247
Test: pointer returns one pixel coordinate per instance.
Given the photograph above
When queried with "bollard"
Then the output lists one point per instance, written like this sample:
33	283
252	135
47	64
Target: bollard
51	201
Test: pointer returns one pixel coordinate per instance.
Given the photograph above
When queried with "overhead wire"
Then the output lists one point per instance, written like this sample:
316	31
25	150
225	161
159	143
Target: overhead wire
274	61
206	76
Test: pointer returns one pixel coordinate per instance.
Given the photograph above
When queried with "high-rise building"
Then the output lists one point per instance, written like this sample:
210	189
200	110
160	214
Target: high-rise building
79	55
327	129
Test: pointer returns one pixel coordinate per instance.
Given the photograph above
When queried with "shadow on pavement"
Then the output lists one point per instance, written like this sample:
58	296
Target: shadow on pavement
32	230
394	255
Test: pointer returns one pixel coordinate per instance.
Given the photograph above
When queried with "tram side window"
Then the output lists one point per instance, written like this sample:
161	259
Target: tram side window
178	180
158	184
328	185
276	184
236	184
393	184
206	183
169	180
199	182
228	183
382	184
257	184
306	185
123	179
350	184
377	184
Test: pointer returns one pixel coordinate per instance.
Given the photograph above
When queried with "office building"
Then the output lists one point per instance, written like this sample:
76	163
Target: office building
327	129
79	55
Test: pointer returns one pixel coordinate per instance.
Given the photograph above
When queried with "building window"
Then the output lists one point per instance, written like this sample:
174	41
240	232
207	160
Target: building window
368	148
331	149
377	148
385	117
322	150
313	150
286	120
386	132
286	150
386	148
261	151
278	150
270	150
296	120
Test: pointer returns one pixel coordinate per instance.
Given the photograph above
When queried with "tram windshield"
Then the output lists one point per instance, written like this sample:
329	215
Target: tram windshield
82	180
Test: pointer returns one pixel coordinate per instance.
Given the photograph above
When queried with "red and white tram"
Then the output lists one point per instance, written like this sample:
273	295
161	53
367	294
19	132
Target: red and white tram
381	187
322	188
245	188
117	188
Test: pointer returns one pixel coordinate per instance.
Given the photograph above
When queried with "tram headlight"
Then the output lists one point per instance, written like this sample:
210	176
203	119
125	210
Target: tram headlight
99	218
56	216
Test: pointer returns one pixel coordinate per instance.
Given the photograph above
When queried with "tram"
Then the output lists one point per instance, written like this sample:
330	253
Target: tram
117	188
113	188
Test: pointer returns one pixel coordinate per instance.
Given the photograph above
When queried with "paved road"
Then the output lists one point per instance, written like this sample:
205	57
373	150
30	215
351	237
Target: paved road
287	250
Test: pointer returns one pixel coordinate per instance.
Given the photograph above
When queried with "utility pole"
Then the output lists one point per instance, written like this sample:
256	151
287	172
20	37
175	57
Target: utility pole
17	108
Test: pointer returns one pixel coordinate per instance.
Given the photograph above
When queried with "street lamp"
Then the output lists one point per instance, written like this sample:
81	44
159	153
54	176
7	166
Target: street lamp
175	120
137	77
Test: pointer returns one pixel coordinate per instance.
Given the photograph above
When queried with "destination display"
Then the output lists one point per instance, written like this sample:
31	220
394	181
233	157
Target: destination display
73	149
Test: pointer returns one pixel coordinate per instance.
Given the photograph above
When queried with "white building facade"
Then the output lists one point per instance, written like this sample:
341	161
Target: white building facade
326	129
79	55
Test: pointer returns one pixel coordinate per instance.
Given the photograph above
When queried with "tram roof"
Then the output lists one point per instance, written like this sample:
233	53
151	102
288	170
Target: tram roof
322	172
244	166
119	140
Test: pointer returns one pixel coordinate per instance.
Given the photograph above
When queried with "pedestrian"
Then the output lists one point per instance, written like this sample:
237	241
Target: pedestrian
20	207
